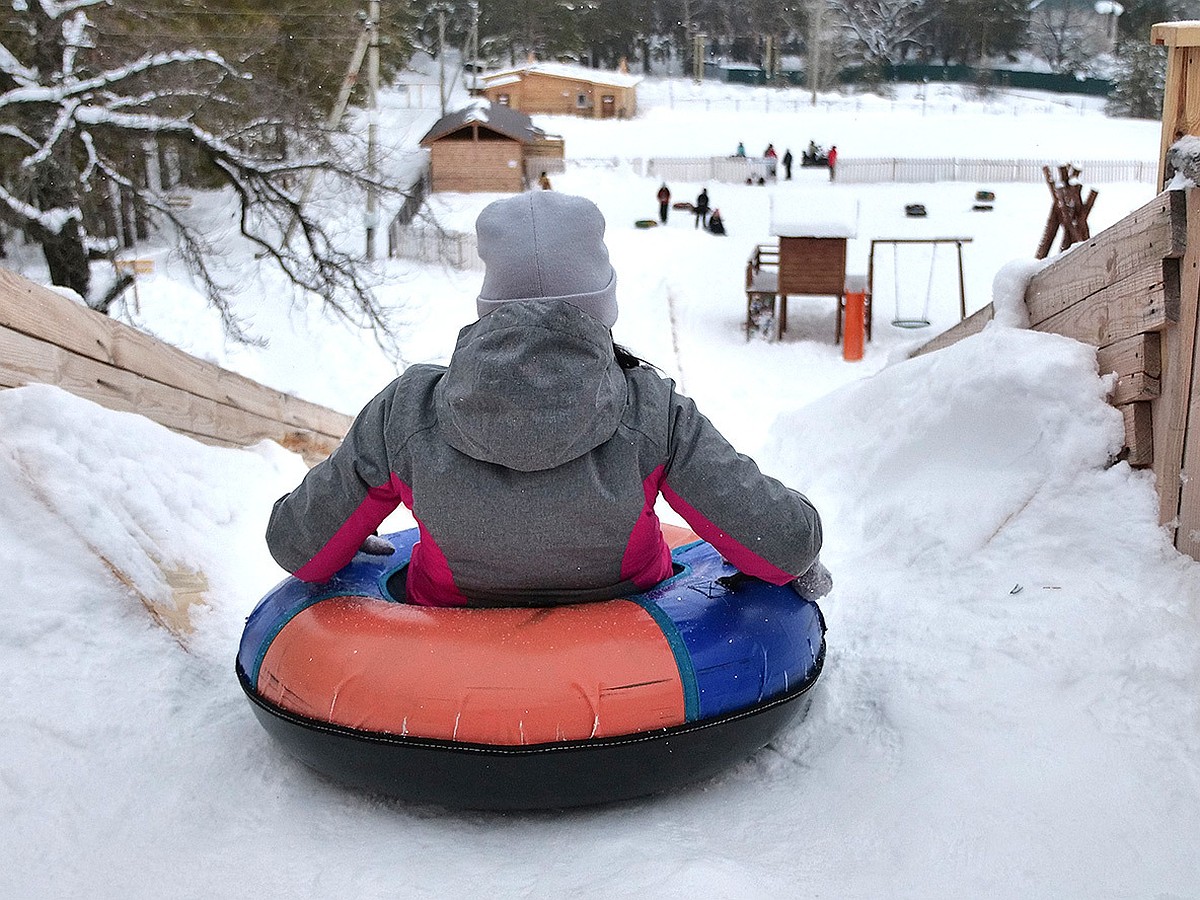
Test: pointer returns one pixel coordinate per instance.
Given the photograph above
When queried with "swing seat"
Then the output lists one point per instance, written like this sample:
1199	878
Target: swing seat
910	318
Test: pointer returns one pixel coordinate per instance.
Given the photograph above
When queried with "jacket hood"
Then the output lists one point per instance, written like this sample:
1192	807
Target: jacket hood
531	386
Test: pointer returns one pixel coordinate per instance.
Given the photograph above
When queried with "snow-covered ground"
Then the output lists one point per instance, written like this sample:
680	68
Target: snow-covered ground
1010	705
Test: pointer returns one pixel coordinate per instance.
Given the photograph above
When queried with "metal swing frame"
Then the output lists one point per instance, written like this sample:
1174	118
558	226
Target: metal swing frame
958	244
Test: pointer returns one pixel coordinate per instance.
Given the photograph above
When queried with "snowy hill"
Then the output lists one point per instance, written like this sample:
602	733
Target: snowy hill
1010	703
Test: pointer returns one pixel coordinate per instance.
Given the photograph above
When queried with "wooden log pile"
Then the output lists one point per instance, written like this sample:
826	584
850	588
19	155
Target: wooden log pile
1069	210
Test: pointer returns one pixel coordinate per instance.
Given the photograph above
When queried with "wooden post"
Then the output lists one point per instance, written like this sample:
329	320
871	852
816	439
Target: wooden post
1176	414
1181	108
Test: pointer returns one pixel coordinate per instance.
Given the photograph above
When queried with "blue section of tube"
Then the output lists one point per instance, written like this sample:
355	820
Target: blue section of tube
745	646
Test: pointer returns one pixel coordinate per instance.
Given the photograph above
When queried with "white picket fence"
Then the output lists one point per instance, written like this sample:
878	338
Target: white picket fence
1095	171
434	245
883	170
728	169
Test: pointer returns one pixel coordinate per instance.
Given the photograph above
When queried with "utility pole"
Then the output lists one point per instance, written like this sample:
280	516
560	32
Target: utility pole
339	109
472	51
442	57
372	217
816	26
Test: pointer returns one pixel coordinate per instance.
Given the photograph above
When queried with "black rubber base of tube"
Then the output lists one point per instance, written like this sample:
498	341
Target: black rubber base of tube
546	776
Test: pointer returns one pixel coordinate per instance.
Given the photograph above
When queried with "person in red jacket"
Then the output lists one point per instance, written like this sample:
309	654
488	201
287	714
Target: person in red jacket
832	161
664	202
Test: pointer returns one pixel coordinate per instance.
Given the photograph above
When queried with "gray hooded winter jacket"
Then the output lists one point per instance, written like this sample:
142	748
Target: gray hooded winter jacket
532	465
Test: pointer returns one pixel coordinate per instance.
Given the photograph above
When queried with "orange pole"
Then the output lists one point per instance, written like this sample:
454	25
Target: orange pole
852	337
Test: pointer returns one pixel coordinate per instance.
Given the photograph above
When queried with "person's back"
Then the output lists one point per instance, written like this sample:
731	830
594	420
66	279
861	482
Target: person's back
533	461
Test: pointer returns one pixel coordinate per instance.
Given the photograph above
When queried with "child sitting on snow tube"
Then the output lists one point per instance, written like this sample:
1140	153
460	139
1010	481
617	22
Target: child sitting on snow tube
533	461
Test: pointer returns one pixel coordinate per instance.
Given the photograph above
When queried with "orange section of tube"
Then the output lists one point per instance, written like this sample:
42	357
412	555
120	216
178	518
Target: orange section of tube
487	676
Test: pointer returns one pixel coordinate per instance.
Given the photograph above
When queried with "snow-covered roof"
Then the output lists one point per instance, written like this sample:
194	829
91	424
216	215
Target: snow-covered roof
500	81
503	120
821	215
563	70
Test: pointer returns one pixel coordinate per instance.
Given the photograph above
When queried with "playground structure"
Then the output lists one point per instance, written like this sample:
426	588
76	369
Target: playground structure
809	260
1133	292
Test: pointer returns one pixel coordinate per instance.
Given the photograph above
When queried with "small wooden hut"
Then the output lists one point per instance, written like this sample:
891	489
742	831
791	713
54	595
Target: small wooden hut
486	148
559	89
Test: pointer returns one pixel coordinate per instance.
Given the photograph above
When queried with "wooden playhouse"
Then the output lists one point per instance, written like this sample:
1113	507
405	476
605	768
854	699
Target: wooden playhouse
808	260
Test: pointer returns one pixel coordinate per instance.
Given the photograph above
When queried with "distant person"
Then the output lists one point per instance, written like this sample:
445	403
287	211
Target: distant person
715	223
544	181
761	180
741	150
832	160
702	209
787	165
770	156
664	202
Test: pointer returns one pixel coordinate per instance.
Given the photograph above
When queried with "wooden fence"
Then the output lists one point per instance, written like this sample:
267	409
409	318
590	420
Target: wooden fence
1132	291
46	338
427	243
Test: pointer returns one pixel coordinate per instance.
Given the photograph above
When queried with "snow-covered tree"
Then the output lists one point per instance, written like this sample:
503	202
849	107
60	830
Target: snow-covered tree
1067	34
967	31
881	30
1139	80
76	119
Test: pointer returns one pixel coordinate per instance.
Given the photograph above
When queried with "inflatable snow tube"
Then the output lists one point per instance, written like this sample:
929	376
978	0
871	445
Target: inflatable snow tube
529	708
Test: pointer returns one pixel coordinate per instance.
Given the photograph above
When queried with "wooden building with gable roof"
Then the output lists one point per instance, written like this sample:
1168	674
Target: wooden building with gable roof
486	148
564	90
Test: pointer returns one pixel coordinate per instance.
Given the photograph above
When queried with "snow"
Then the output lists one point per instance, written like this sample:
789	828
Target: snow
815	215
1010	703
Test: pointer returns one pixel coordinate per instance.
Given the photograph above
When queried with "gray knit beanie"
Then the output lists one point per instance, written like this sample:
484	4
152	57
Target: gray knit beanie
543	245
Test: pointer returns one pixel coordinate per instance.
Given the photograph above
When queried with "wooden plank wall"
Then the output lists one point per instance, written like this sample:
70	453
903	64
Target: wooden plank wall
538	92
1132	291
491	166
48	339
1176	413
810	265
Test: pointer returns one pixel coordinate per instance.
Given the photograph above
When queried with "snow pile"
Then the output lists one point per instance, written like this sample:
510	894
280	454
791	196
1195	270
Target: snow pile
1183	158
815	215
1009	703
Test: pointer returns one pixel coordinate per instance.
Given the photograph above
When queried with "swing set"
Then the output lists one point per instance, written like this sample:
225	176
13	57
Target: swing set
907	318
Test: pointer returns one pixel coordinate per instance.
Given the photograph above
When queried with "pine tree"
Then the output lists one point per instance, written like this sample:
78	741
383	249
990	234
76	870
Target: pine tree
1139	80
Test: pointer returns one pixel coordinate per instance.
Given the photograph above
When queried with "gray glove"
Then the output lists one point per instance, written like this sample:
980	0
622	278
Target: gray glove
377	546
815	583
